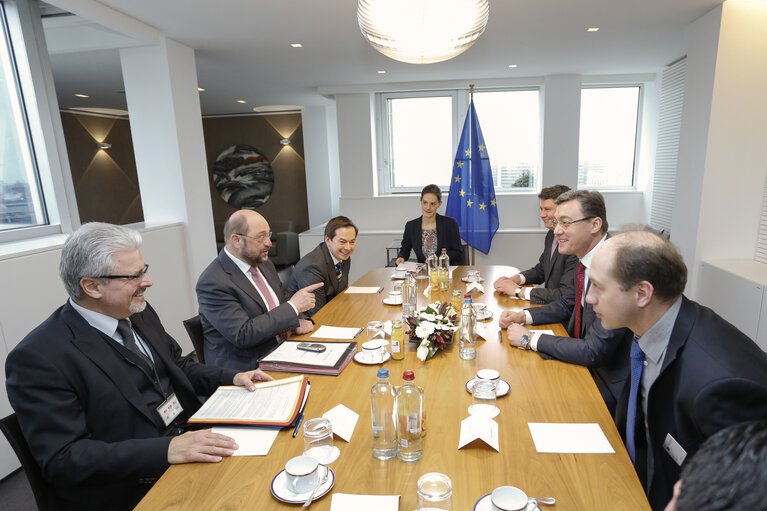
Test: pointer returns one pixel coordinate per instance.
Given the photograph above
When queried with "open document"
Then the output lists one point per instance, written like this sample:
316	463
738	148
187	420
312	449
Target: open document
273	403
288	358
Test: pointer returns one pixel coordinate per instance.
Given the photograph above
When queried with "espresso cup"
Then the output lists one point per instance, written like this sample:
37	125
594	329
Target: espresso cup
508	498
373	351
302	474
479	308
395	297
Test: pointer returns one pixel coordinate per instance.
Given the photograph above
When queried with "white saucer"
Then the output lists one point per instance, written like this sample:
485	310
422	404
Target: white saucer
281	491
501	389
485	315
398	277
358	358
466	279
484	504
389	301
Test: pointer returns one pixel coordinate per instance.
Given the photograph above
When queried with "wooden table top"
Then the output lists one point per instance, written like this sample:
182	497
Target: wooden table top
541	391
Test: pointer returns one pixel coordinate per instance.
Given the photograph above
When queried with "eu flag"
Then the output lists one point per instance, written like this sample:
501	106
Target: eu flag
472	197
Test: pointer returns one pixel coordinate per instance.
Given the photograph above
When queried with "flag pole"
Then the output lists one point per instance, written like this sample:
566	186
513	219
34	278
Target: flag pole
471	91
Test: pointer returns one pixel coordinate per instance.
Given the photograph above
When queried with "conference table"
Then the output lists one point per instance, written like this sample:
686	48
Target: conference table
541	391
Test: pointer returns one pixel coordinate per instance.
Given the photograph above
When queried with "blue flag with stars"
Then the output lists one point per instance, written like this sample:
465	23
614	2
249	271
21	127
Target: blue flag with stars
472	196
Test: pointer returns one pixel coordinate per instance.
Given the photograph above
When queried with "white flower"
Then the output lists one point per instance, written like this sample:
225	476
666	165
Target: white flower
422	352
427	317
425	329
439	317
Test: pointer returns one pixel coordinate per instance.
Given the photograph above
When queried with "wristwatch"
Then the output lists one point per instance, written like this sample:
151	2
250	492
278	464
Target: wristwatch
516	292
525	341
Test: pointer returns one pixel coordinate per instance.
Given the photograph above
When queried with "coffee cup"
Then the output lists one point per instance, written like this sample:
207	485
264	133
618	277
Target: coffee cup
508	498
395	297
373	351
302	474
479	308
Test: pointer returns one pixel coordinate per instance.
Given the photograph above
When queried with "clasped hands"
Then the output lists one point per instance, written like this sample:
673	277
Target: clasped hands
512	321
507	285
204	445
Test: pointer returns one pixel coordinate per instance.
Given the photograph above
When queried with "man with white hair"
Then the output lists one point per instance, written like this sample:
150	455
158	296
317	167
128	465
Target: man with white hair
100	390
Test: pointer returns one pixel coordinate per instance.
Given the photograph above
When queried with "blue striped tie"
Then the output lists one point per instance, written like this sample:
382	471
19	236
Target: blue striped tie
339	272
637	364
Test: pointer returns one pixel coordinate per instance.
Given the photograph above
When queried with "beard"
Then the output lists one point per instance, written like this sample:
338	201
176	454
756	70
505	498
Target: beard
137	307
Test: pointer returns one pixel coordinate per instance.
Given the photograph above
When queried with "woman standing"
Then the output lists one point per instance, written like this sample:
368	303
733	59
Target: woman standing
431	232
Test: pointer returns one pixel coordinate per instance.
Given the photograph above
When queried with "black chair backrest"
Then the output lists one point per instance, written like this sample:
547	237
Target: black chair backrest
194	329
40	489
285	275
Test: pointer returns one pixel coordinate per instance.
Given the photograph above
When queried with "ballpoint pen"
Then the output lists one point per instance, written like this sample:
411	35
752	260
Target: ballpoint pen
298	423
500	336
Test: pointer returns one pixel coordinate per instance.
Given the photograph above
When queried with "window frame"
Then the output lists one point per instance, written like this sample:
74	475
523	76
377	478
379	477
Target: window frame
637	135
44	131
460	105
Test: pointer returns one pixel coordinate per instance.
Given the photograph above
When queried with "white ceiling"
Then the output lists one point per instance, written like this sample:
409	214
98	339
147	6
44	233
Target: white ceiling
243	47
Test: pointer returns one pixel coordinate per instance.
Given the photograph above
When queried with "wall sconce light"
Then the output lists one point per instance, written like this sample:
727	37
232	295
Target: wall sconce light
103	145
285	141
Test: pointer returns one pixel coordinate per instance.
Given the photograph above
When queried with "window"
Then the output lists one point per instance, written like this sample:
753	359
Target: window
419	132
21	202
608	137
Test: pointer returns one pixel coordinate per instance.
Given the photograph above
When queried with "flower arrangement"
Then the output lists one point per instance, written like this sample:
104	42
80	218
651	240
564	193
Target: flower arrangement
433	327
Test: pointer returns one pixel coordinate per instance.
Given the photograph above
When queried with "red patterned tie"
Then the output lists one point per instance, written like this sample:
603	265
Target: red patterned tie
261	285
579	278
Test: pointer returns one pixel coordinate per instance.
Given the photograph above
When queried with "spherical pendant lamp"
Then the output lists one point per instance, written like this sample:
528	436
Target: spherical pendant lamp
422	31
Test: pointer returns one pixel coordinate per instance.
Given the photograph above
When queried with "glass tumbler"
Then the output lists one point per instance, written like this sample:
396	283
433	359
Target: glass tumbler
435	491
318	440
484	399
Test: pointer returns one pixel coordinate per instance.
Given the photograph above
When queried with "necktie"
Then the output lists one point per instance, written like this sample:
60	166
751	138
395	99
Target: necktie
553	248
129	341
339	272
579	278
637	363
258	279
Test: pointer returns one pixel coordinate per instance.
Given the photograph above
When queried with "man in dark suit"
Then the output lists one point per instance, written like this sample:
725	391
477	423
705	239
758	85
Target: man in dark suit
243	308
554	270
328	263
580	225
692	372
101	399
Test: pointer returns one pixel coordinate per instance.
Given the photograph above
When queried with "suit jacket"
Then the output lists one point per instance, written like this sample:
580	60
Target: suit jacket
96	441
712	376
317	266
604	352
556	271
448	237
239	328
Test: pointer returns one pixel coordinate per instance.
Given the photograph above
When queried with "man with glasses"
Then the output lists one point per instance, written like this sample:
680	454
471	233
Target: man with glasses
554	270
580	226
244	311
328	263
100	390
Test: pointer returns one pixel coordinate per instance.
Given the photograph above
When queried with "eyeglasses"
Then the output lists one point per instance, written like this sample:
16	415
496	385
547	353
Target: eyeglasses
137	276
259	239
566	224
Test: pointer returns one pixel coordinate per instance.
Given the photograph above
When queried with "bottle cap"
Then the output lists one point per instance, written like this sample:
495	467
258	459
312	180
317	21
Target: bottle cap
408	376
383	373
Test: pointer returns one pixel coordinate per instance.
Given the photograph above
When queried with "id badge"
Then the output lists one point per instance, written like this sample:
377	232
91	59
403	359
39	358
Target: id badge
169	409
676	451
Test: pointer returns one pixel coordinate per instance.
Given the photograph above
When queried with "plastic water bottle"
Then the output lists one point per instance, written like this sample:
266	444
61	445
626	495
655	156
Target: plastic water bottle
383	417
444	270
467	329
432	263
409	416
409	297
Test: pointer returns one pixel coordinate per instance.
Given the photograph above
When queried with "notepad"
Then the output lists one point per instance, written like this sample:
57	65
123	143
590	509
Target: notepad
336	332
570	438
363	289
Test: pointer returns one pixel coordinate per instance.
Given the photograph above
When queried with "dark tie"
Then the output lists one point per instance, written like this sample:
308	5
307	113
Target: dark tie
339	272
258	279
579	278
129	341
637	364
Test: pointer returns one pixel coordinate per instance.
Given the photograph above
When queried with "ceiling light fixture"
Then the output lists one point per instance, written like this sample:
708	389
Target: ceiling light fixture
512	65
422	31
592	29
382	72
200	89
296	45
82	95
241	101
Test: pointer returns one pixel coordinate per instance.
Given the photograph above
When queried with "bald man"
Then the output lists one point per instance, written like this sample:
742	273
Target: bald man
693	373
243	309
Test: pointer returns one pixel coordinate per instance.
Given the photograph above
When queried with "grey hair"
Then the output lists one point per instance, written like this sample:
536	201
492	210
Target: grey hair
88	252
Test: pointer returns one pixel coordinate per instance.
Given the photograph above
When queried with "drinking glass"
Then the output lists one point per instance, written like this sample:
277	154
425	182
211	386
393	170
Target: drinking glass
376	331
434	492
318	440
484	399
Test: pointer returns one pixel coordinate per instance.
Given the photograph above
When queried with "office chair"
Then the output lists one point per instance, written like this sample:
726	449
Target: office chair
40	488
194	329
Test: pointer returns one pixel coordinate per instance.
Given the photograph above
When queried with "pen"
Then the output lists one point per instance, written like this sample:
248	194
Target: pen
500	337
298	423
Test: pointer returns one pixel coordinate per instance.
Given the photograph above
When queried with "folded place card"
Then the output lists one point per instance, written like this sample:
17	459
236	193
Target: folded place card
351	502
569	438
344	421
475	287
477	426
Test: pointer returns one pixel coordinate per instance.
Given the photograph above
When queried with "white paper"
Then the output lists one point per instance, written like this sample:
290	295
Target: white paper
585	438
477	426
408	266
336	332
272	401
541	332
288	352
344	421
487	331
350	502
363	289
253	441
